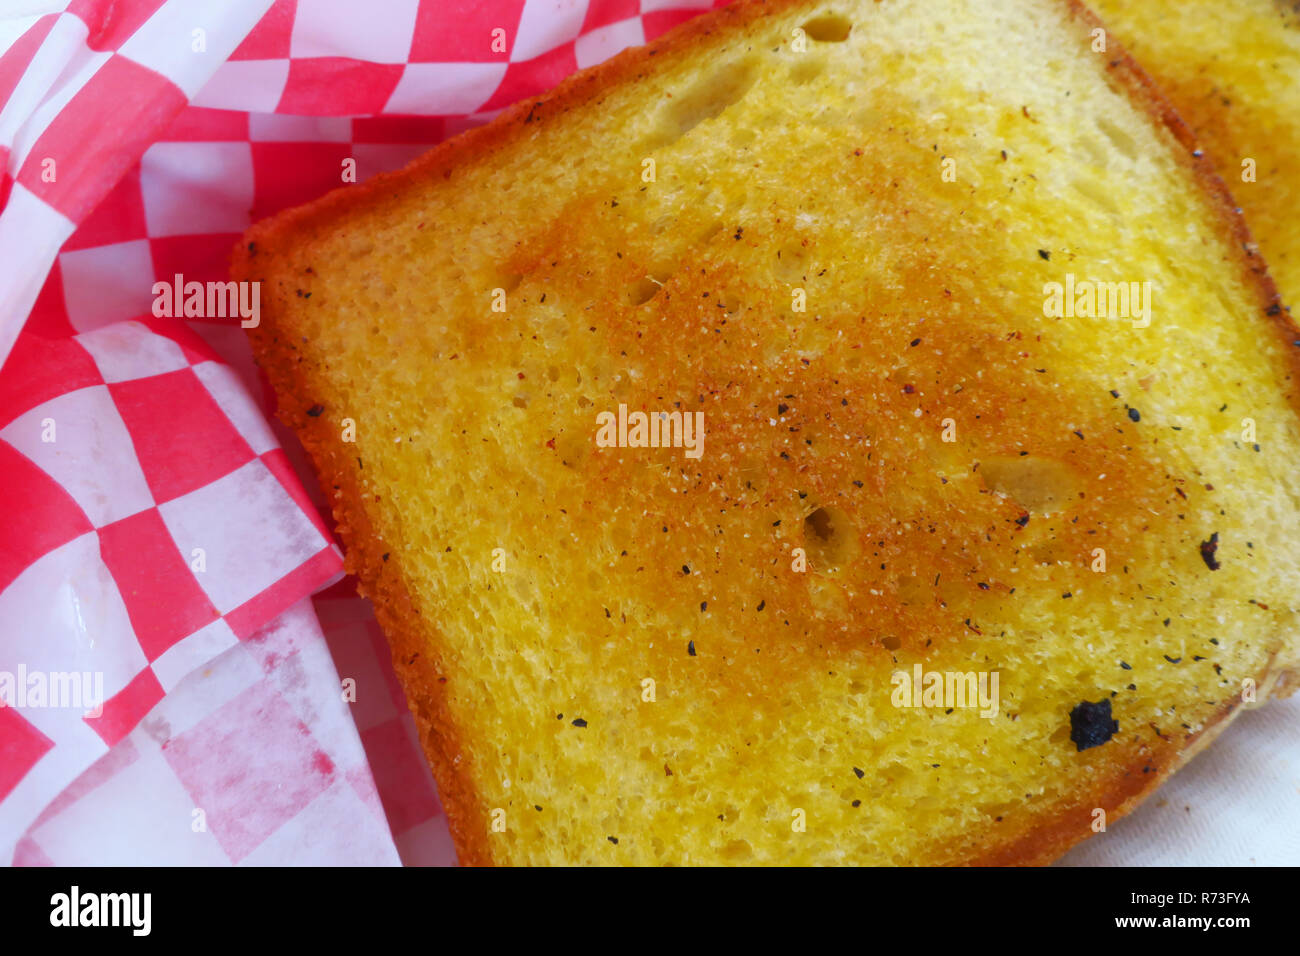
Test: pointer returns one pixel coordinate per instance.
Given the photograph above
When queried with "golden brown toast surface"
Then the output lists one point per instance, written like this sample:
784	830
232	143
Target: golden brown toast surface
911	456
1232	71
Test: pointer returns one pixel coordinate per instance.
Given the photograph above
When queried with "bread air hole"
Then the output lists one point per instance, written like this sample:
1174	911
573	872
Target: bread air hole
705	100
647	287
828	28
736	850
729	303
828	539
806	69
818	525
709	231
1039	485
1122	141
506	281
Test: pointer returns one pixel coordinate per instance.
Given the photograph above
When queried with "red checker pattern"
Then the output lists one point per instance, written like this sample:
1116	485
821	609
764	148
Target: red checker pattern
39	515
39	369
533	77
141	103
6	180
162	598
199	258
246	619
269	40
14	61
49	316
119	217
29	853
112	22
198	124
403	778
21	747
659	22
418	130
460	31
277	462
192	345
174	411
338	86
289	174
601	13
246	801
126	708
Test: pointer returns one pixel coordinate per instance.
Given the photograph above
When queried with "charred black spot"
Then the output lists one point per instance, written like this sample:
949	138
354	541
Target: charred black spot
1091	724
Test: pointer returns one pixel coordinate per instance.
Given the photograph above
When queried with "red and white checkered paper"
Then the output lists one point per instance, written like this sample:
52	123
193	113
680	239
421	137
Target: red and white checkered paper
138	139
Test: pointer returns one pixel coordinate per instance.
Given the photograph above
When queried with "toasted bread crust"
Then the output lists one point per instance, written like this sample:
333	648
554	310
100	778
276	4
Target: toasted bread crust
412	638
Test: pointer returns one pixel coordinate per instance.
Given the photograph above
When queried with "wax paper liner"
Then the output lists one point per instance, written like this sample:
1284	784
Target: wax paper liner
138	139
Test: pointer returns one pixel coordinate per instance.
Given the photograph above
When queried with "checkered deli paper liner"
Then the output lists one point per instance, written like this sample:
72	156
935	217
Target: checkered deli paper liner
158	536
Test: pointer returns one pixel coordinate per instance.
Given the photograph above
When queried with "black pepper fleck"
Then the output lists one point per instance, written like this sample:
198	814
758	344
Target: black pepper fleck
1208	549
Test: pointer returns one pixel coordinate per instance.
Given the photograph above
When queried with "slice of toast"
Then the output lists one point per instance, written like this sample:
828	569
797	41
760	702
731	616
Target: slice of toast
986	516
1232	71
